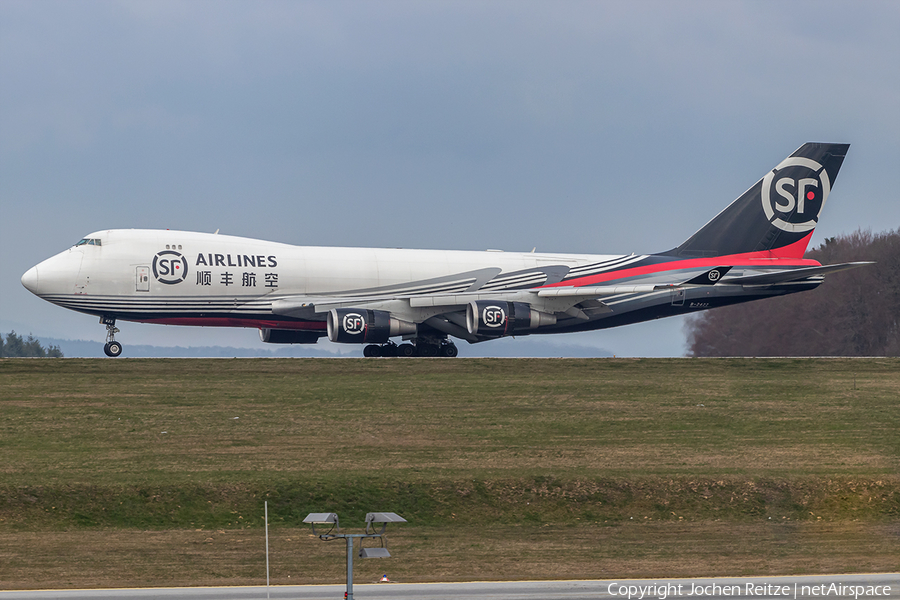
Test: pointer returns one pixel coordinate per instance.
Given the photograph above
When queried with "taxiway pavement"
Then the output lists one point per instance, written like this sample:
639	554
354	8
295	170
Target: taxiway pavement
810	587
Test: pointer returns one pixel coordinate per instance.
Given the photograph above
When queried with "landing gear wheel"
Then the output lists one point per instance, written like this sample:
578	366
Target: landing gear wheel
427	350
389	349
112	349
406	350
449	350
372	351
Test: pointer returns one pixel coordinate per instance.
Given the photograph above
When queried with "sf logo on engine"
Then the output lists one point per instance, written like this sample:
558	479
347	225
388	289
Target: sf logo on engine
794	193
493	316
169	267
354	323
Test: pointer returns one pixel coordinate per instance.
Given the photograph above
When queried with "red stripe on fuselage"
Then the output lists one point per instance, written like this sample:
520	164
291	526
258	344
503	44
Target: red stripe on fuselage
231	322
786	256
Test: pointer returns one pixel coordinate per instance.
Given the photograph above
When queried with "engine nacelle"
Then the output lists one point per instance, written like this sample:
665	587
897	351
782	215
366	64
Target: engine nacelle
363	326
497	319
289	336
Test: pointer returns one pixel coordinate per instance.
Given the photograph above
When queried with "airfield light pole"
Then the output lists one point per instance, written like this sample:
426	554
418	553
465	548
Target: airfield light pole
334	532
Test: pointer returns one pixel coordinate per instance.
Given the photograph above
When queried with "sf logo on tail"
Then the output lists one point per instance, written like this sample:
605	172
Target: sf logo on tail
802	194
801	188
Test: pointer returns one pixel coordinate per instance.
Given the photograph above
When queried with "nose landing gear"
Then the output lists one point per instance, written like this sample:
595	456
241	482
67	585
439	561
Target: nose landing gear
112	347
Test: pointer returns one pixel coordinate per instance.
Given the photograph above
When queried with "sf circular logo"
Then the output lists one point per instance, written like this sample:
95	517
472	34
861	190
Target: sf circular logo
793	194
353	323
493	316
714	275
169	267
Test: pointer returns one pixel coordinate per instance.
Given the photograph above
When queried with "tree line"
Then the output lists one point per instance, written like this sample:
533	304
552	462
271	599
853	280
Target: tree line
853	313
15	346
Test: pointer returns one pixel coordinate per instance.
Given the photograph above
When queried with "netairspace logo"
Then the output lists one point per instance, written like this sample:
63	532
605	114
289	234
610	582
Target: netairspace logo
662	591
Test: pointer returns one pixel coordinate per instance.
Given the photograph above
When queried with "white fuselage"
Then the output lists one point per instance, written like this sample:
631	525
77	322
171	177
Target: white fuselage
236	267
191	278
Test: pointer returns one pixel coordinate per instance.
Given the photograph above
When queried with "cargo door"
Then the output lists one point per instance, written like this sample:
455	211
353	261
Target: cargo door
142	279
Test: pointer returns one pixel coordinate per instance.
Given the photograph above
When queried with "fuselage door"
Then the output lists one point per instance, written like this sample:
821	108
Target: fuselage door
142	279
678	297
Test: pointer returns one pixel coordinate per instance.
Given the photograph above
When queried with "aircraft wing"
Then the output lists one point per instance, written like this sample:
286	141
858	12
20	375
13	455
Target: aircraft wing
307	305
555	299
465	314
576	293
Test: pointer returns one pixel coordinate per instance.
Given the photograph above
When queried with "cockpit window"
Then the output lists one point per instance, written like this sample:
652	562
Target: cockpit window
88	242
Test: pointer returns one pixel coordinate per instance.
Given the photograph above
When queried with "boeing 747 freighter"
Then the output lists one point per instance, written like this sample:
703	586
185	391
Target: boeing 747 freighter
423	298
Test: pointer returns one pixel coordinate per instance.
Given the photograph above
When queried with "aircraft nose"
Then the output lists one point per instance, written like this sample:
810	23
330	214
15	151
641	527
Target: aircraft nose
54	276
30	280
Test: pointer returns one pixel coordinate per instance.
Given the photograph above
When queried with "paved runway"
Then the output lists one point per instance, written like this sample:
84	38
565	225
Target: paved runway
824	587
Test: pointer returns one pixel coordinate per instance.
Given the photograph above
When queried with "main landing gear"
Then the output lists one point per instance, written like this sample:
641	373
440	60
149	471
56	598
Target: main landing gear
421	348
112	347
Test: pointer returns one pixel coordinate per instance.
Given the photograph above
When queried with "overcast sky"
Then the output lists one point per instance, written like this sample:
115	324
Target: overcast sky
605	127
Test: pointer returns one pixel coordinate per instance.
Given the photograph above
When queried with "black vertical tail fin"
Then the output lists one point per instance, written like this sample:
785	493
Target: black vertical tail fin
778	214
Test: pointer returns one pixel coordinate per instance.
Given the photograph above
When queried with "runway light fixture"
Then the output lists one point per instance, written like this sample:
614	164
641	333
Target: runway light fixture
322	519
334	532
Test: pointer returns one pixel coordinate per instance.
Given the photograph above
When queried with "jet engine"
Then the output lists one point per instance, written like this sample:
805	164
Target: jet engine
289	336
362	326
497	319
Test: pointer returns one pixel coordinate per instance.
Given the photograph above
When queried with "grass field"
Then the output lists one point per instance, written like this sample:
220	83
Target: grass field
154	472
